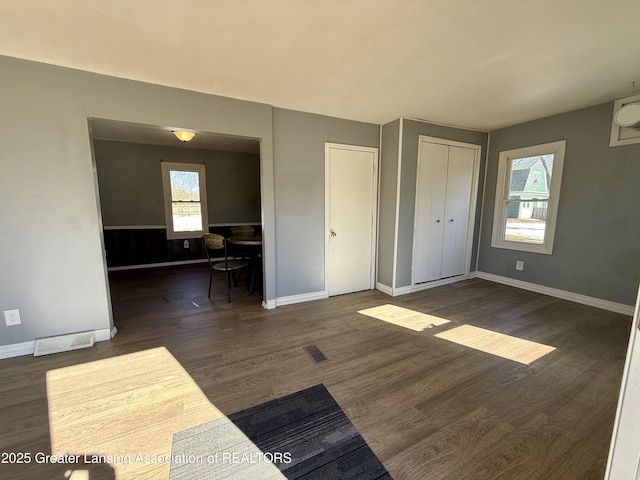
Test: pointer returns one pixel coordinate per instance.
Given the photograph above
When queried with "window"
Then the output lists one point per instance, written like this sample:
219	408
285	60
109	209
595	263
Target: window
527	194
536	179
185	200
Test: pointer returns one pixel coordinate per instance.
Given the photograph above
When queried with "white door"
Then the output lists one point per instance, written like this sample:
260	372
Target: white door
624	455
445	191
351	193
456	215
431	189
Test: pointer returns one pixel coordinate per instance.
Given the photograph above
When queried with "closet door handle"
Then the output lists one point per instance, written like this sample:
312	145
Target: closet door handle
438	221
451	220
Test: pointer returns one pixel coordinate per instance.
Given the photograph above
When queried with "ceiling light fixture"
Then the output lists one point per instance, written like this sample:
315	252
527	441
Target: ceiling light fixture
183	136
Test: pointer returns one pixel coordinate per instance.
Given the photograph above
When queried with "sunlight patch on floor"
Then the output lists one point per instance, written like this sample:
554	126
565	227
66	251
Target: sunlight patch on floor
505	346
404	317
118	415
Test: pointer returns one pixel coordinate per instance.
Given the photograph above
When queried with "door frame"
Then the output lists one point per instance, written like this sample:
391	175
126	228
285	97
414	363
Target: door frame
472	211
623	461
374	212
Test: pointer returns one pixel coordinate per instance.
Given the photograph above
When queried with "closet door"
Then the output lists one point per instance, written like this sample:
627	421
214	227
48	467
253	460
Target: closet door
456	215
431	188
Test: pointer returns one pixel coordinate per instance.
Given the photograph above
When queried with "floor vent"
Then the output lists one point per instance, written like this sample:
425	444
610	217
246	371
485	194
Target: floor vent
315	353
64	343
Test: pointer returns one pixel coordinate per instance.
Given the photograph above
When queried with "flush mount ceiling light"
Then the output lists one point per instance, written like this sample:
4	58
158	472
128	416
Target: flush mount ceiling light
183	136
628	115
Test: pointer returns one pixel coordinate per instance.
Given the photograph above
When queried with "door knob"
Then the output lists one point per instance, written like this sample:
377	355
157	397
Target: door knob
451	220
333	234
438	221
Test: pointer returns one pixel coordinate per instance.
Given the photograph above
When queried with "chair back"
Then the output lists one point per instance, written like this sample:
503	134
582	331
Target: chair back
213	241
242	231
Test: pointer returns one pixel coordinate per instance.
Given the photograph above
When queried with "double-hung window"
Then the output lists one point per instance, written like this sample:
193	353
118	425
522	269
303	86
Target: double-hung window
185	200
527	194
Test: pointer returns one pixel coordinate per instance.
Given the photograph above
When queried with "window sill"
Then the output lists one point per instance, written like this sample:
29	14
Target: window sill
523	247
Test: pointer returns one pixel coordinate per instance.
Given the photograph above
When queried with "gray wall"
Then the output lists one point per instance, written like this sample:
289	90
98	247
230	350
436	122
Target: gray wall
597	241
298	149
412	130
390	141
51	254
130	183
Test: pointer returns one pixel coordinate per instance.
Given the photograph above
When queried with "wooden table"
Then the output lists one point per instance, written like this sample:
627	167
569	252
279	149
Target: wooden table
125	408
252	241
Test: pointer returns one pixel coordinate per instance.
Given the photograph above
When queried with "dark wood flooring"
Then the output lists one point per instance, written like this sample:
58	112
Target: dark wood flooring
429	408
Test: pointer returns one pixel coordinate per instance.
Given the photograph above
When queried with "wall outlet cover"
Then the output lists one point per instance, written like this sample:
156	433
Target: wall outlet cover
12	317
520	265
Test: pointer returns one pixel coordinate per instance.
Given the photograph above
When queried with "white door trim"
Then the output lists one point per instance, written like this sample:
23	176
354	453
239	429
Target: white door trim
374	201
624	459
396	224
472	205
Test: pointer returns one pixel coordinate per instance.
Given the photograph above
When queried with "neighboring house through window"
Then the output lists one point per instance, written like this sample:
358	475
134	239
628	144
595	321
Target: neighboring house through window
527	194
185	199
536	179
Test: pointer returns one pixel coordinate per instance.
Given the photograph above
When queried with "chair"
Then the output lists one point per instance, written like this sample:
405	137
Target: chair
212	242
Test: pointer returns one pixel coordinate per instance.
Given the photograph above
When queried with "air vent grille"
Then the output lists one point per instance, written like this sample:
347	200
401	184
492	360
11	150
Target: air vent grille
64	343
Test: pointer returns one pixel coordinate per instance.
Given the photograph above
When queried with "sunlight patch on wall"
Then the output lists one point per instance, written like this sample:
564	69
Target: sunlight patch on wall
404	317
505	346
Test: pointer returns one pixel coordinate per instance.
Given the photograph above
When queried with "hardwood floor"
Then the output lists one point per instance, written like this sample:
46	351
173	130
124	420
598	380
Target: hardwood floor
428	407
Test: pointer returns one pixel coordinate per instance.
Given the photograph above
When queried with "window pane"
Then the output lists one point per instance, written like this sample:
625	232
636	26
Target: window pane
530	177
187	217
185	186
526	221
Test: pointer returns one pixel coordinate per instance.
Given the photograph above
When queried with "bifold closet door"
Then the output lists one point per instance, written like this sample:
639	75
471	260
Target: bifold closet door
456	215
430	210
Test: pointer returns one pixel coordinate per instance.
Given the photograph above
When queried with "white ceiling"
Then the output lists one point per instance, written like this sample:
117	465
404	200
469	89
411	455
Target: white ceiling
470	63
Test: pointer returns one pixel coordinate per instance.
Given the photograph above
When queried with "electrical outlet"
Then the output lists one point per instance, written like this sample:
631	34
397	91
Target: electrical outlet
12	317
186	244
520	265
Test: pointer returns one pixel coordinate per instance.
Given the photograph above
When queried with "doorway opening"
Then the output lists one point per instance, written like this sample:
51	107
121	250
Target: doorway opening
128	160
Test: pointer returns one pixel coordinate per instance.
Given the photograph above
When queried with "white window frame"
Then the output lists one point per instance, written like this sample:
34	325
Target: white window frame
166	190
502	196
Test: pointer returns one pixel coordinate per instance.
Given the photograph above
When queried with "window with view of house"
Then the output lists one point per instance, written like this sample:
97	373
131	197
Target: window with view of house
527	194
185	199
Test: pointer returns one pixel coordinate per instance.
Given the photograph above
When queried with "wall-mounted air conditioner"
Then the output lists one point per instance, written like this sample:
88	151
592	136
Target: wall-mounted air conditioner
625	123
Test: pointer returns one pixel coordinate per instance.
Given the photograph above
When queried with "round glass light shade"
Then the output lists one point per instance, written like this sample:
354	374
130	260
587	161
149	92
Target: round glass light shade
184	136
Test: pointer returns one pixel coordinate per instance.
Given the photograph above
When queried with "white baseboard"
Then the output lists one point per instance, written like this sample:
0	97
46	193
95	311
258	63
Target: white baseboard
384	288
17	349
269	304
105	334
554	292
161	264
27	348
438	283
304	297
402	290
394	292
